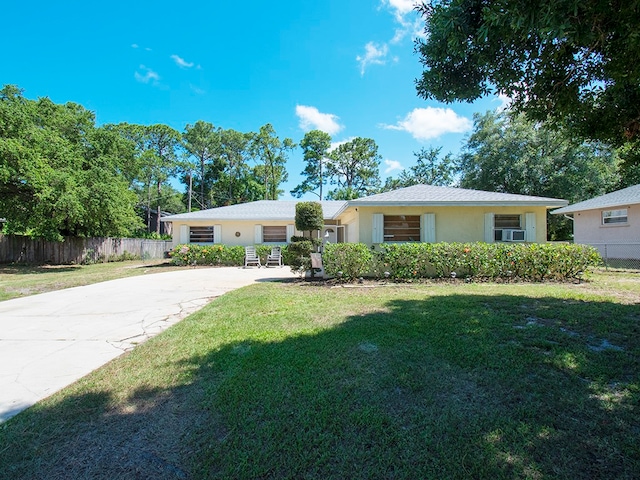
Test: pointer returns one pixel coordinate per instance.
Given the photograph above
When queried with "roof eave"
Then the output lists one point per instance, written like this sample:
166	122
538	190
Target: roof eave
548	204
571	209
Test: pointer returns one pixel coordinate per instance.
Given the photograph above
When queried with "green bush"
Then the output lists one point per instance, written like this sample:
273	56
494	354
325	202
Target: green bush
221	255
299	255
406	261
309	216
347	261
316	242
192	254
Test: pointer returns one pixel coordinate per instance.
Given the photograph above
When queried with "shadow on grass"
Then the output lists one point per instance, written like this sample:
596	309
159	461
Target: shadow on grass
36	269
460	386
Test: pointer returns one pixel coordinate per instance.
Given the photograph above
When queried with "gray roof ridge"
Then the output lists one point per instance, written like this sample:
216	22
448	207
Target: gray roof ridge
627	195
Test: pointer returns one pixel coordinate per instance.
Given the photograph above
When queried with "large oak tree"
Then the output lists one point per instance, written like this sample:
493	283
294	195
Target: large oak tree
60	175
574	62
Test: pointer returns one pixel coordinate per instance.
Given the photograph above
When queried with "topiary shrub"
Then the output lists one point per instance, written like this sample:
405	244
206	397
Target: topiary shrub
309	216
299	256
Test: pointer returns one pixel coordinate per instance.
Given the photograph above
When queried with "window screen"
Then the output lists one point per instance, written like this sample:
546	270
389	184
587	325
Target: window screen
614	216
402	228
201	234
274	234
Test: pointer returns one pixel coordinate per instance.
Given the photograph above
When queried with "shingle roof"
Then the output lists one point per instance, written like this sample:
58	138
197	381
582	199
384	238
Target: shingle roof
626	196
419	195
429	195
260	210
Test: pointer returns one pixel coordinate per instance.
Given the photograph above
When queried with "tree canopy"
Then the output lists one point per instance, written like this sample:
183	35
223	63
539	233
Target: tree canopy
315	146
508	153
353	168
60	175
202	142
271	153
574	62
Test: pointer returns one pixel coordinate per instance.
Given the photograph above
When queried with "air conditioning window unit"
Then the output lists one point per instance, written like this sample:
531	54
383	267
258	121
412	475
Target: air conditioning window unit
513	235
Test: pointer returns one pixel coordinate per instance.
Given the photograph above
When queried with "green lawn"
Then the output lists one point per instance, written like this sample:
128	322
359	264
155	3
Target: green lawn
298	380
19	280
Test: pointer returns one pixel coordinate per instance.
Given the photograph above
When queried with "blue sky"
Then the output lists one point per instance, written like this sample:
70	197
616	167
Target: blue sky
343	66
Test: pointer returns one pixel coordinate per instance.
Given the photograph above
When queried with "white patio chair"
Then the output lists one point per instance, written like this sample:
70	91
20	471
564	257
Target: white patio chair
251	257
275	257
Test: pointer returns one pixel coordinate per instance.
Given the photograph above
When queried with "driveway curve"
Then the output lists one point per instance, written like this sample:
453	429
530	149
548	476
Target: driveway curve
50	340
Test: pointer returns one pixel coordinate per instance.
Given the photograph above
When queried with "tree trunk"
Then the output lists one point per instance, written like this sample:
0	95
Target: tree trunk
158	211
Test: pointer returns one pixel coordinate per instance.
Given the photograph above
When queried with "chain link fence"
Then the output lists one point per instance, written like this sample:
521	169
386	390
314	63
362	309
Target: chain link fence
619	255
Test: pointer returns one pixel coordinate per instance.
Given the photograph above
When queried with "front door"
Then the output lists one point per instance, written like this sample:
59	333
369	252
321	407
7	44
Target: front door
330	235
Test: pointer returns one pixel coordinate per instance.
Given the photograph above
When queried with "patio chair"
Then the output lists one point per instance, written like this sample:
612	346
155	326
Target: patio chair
275	257
251	257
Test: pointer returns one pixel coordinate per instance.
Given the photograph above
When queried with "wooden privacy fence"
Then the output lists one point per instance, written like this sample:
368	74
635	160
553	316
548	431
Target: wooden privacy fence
16	248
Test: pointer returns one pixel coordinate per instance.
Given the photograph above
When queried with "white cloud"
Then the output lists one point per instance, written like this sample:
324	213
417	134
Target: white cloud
335	145
374	55
181	62
147	76
400	7
392	165
430	122
505	102
408	23
197	90
134	45
311	118
405	15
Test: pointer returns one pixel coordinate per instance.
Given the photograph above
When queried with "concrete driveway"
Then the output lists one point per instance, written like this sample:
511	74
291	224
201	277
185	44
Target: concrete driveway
50	340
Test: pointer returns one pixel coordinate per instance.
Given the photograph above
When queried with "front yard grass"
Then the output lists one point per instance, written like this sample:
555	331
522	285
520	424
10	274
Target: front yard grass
21	280
296	380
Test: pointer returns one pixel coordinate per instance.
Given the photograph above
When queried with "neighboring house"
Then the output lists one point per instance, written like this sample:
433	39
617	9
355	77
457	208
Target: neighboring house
421	213
152	219
612	219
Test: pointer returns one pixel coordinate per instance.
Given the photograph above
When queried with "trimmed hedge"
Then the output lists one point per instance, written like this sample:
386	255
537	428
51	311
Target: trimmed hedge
220	255
347	261
406	261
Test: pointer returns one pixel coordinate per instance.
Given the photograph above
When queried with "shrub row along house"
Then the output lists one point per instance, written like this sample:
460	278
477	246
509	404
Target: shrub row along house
421	213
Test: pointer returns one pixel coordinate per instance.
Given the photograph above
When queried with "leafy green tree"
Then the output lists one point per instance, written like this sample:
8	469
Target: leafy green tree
59	174
428	170
202	141
629	168
235	182
575	62
315	146
159	163
266	147
507	153
353	167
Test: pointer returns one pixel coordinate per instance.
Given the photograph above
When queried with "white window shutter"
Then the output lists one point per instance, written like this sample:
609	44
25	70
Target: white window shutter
530	227
258	234
377	235
217	234
184	234
488	228
291	231
429	227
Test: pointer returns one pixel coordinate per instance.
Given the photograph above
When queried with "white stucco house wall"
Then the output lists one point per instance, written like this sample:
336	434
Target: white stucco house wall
421	213
609	222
